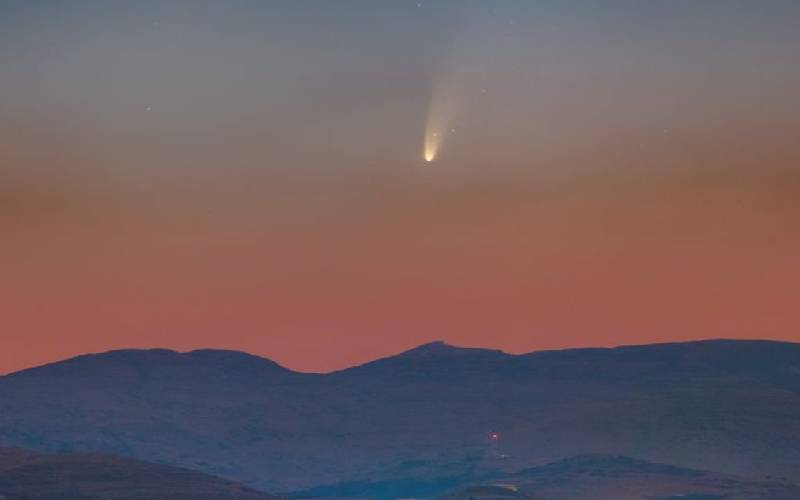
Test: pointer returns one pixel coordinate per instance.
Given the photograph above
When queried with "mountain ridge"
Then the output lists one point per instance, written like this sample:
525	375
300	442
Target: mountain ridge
432	349
735	403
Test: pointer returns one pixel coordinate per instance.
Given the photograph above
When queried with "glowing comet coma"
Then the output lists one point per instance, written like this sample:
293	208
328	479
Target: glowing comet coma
440	116
431	146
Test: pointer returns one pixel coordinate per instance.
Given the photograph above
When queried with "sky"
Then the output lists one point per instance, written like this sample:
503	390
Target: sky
252	175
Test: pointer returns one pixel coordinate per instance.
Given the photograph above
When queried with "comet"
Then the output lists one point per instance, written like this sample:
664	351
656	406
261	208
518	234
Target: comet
441	113
447	99
433	139
431	146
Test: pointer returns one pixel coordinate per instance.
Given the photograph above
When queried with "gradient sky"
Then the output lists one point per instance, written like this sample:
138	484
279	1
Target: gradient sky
249	175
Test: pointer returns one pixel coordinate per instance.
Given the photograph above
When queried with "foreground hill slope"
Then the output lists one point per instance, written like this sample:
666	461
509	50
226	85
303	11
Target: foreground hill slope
730	406
25	475
592	477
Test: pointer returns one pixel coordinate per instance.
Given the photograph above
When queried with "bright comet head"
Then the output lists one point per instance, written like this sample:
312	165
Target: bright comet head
446	94
438	122
432	143
430	154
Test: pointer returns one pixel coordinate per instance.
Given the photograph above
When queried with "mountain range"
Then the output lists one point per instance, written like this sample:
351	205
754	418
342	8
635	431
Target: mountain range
426	421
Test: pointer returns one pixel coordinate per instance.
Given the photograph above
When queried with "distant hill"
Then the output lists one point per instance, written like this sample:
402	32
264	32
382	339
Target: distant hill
423	415
25	475
491	492
622	478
